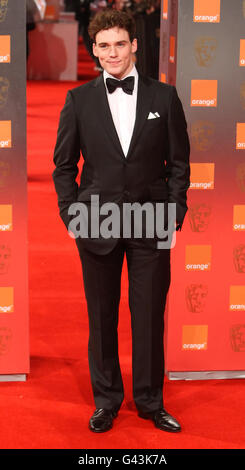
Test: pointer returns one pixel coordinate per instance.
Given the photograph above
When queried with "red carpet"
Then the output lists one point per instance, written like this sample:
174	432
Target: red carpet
51	409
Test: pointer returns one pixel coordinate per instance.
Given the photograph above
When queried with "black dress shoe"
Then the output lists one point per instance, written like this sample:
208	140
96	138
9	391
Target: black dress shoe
162	420
102	420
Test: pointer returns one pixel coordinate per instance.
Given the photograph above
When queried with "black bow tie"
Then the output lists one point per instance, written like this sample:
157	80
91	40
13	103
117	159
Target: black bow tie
127	84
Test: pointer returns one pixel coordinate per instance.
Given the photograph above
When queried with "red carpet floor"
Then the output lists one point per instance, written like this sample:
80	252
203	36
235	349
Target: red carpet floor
51	409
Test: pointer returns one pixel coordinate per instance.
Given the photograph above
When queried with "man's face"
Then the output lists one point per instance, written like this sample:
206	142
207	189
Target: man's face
115	51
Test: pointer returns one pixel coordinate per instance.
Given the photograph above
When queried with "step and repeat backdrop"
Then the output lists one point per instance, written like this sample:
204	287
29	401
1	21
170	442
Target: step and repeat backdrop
202	52
14	331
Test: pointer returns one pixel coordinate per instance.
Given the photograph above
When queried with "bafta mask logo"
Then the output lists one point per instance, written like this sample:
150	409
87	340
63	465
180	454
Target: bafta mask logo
239	258
202	135
164	46
205	49
196	295
3	9
4	88
5	255
240	177
242	94
4	173
237	337
199	216
5	340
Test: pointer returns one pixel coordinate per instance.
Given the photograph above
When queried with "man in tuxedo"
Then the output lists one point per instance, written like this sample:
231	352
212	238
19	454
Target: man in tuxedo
132	133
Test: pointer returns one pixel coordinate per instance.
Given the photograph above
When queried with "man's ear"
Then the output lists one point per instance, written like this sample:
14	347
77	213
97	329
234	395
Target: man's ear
95	50
134	45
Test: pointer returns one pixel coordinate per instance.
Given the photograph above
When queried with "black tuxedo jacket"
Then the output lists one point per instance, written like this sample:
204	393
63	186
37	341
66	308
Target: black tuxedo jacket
157	164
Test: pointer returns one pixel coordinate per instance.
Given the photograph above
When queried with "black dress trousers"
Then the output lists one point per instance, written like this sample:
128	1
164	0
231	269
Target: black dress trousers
149	280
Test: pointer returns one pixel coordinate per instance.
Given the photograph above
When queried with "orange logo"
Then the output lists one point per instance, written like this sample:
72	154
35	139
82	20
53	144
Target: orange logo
194	337
5	49
237	298
165	9
5	134
206	11
204	93
6	299
172	49
202	176
163	78
52	10
198	257
5	218
240	136
239	218
242	52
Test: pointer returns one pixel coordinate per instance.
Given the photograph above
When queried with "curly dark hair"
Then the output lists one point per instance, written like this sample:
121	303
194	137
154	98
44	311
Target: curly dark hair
109	18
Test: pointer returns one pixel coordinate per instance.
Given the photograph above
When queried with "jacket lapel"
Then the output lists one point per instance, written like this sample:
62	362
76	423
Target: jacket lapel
146	92
143	107
104	113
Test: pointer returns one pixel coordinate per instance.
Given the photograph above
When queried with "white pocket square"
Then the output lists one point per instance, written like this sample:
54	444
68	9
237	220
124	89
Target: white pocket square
153	115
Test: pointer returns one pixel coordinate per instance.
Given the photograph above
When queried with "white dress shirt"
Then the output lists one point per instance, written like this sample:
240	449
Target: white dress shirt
123	109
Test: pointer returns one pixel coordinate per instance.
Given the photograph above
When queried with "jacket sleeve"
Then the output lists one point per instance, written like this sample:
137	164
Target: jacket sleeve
177	162
66	157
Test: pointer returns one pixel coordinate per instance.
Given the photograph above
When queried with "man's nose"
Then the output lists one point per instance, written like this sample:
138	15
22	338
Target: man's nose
113	51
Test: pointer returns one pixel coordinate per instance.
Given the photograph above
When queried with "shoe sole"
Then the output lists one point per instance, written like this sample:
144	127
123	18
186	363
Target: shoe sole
99	430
